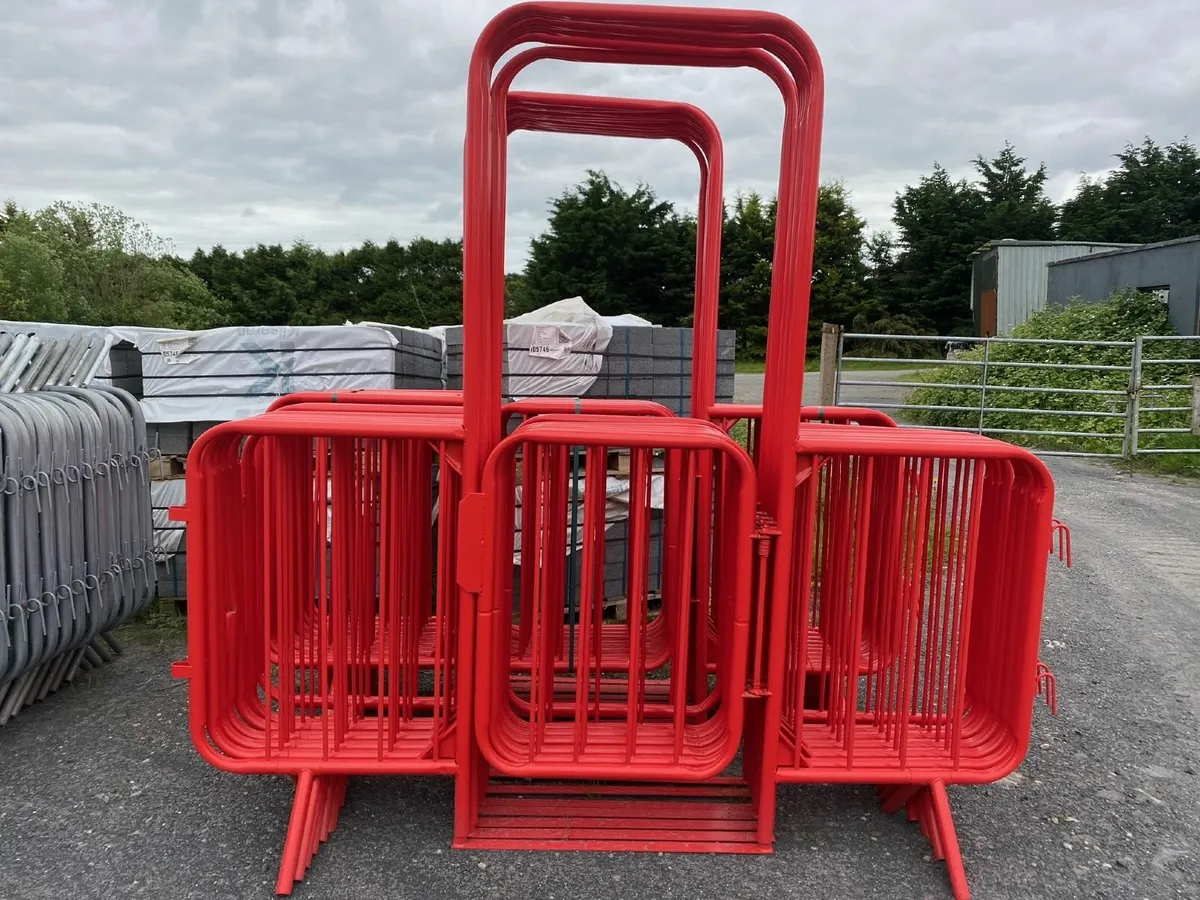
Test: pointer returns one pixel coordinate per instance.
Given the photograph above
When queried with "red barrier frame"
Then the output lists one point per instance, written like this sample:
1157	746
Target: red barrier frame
645	32
593	431
224	440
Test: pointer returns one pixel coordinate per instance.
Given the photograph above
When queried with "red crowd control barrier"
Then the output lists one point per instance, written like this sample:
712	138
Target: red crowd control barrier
915	560
935	593
314	606
322	623
840	599
639	734
656	36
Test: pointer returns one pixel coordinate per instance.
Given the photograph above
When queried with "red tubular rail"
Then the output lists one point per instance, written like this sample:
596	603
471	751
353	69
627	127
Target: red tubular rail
647	34
953	590
559	742
252	523
366	395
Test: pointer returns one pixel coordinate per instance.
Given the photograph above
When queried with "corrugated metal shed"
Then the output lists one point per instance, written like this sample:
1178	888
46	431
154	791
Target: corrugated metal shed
1008	279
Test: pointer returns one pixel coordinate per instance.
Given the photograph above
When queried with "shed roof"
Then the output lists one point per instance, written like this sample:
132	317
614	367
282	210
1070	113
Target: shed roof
1135	248
1011	242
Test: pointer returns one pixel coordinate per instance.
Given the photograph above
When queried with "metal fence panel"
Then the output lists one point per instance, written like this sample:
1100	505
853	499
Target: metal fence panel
75	525
1146	388
987	389
1166	369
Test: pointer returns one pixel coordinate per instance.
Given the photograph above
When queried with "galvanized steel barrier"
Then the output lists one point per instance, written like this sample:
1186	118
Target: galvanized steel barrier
842	600
75	550
1141	400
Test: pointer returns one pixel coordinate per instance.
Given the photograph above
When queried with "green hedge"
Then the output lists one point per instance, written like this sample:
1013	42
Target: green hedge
1123	317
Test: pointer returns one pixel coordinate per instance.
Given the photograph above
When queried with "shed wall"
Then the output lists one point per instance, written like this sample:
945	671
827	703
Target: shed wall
1022	278
1176	267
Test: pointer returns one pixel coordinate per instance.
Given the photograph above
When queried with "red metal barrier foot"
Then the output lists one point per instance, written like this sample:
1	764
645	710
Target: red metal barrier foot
1047	686
929	806
315	811
1061	533
710	817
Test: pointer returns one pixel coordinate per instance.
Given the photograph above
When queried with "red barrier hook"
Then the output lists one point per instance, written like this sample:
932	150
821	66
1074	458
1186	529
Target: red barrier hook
1062	532
1047	686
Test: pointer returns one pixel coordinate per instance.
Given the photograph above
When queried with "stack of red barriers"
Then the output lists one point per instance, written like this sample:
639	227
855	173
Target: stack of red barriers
839	599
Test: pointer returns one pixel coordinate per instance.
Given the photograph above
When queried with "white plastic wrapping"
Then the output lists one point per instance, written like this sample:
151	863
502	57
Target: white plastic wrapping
168	535
438	332
231	373
556	350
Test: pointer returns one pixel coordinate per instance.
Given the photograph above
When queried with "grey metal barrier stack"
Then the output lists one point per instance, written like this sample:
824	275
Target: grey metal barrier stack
76	557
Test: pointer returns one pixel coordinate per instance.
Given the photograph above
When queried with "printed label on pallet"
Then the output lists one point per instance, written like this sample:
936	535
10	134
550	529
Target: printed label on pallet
174	348
549	342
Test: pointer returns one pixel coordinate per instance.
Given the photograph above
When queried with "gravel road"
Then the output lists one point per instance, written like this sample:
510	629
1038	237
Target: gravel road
102	795
749	388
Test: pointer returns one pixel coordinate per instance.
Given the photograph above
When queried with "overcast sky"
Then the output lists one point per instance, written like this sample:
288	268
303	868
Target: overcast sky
336	121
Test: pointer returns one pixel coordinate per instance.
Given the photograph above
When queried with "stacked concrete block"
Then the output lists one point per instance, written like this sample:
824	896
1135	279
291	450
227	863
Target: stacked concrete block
616	567
640	363
420	364
125	365
170	538
616	562
656	364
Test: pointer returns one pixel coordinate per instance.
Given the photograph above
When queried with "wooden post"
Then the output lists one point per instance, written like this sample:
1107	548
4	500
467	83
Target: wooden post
830	338
1196	404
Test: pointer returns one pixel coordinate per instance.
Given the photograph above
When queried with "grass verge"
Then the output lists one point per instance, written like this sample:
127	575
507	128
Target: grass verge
160	627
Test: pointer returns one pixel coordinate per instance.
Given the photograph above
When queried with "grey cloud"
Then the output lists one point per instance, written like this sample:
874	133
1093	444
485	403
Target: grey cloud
235	121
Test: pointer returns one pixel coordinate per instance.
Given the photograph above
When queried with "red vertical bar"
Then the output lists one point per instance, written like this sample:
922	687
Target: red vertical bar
833	579
932	636
287	594
594	480
950	619
414	561
444	566
354	511
392	555
635	592
532	554
921	563
599	498
387	509
338	620
949	598
322	487
525	617
267	559
862	554
686	541
962	642
806	545
703	559
559	558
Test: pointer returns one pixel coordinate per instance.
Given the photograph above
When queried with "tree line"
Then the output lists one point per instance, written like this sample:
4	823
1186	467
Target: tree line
622	250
